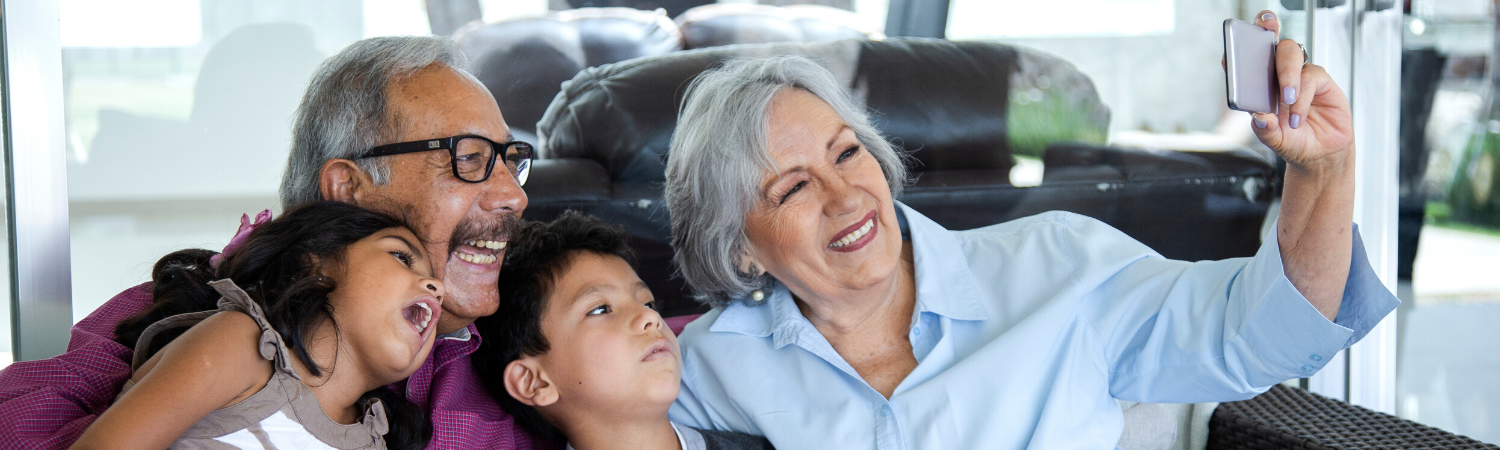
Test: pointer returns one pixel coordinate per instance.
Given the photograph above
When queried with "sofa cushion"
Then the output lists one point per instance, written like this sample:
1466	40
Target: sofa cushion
622	115
944	102
524	61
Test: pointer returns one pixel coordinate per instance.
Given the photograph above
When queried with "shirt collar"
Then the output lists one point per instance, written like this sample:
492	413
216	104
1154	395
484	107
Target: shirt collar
945	286
461	335
680	442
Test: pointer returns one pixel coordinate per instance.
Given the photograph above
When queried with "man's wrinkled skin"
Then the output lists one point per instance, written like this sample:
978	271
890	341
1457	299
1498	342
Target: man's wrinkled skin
444	211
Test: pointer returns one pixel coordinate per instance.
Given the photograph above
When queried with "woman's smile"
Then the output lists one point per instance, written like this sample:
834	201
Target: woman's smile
856	236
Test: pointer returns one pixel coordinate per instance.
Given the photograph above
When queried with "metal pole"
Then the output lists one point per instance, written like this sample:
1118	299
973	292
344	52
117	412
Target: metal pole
37	179
1311	6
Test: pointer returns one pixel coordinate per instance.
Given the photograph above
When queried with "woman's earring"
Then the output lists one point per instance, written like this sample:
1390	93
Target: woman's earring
757	295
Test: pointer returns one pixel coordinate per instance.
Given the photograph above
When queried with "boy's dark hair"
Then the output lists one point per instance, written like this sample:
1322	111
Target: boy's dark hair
275	267
535	258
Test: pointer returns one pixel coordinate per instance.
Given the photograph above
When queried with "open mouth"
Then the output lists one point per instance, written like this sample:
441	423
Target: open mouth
480	251
855	236
659	349
420	315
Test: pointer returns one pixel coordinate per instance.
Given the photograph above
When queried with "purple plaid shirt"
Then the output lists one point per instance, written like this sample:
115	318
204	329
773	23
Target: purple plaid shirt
46	404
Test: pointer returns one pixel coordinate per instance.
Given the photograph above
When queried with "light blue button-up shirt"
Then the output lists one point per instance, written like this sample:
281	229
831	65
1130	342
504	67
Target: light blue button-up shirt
1025	333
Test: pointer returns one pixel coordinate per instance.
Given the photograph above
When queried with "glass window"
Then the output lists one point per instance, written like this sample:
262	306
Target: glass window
179	114
1155	70
992	19
1451	215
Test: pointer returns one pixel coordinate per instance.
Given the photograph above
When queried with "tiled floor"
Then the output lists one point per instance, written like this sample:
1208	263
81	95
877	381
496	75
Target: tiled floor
1449	362
1456	265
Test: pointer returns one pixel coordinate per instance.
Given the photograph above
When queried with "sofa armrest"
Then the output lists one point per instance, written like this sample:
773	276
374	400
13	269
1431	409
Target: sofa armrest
1285	417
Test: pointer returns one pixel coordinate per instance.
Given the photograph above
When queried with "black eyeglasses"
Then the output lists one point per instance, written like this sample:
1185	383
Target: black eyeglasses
473	156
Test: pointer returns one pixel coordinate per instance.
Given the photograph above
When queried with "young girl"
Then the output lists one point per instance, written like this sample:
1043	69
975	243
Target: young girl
291	347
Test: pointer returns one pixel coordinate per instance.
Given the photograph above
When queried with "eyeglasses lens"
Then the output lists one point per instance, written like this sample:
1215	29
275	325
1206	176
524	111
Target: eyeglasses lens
518	161
471	158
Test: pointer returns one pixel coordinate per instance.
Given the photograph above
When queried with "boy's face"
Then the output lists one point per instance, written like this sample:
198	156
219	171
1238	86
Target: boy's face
610	350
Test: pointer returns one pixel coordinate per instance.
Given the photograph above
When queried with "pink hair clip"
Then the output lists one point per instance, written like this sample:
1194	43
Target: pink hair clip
246	226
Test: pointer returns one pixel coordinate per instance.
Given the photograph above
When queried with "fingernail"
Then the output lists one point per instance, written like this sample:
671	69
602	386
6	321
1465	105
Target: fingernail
1267	17
1260	124
1295	121
1289	94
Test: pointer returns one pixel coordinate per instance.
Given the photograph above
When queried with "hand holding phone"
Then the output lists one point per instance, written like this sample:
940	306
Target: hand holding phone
1311	124
1250	67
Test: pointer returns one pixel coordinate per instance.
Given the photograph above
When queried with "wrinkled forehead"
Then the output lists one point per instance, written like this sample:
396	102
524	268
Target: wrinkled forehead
438	102
800	127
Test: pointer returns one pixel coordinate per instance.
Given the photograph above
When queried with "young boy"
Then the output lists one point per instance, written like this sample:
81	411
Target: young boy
577	352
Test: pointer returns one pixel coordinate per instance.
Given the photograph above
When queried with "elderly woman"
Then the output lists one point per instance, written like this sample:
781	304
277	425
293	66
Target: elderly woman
844	319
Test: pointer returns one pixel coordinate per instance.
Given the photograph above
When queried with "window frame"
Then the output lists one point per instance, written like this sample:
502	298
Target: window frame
36	180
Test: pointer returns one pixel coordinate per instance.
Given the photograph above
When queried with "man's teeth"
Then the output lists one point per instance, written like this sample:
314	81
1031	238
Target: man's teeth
482	259
855	235
476	259
426	317
492	245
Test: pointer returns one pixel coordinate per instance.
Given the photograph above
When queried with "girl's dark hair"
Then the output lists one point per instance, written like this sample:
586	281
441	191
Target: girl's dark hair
537	255
279	266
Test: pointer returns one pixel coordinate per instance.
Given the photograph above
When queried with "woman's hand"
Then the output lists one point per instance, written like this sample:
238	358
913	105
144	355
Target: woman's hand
1314	126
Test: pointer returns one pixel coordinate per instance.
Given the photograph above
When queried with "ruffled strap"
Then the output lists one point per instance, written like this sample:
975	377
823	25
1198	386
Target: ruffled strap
375	418
178	321
272	347
233	299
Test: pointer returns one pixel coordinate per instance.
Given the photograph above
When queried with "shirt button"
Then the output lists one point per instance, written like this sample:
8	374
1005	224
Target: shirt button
1307	368
1316	358
916	332
885	411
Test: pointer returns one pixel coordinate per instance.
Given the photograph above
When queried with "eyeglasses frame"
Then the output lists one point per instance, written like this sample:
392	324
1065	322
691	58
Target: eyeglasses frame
451	145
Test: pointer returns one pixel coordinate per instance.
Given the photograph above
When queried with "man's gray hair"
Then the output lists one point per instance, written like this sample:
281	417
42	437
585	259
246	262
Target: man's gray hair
344	113
719	156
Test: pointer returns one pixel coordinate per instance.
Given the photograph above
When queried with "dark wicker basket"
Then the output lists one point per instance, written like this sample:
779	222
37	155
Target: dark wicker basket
1290	418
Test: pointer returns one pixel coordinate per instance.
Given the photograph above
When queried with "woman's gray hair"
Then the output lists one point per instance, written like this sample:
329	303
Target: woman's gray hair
719	157
343	114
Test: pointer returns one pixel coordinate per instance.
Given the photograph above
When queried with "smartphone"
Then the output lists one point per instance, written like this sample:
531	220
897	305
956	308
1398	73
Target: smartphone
1250	67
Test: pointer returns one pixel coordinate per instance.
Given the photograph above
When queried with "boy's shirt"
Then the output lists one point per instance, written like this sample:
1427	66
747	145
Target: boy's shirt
690	438
681	442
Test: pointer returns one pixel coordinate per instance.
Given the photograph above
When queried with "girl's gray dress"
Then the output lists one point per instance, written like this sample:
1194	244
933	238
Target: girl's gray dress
284	414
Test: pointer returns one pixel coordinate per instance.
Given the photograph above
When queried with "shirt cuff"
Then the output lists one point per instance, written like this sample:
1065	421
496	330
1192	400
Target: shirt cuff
1288	333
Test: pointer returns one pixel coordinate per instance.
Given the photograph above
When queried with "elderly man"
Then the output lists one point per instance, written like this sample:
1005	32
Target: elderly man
385	125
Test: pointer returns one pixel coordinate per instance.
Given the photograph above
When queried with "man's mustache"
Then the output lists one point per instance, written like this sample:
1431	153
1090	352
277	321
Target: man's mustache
494	229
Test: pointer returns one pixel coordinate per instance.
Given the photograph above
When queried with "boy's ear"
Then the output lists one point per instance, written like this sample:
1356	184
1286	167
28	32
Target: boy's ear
528	383
342	180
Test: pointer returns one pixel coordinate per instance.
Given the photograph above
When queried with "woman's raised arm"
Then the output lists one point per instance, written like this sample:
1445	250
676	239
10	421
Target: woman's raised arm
1314	133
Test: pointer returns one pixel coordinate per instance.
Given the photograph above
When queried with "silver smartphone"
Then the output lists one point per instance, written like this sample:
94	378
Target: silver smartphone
1250	67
